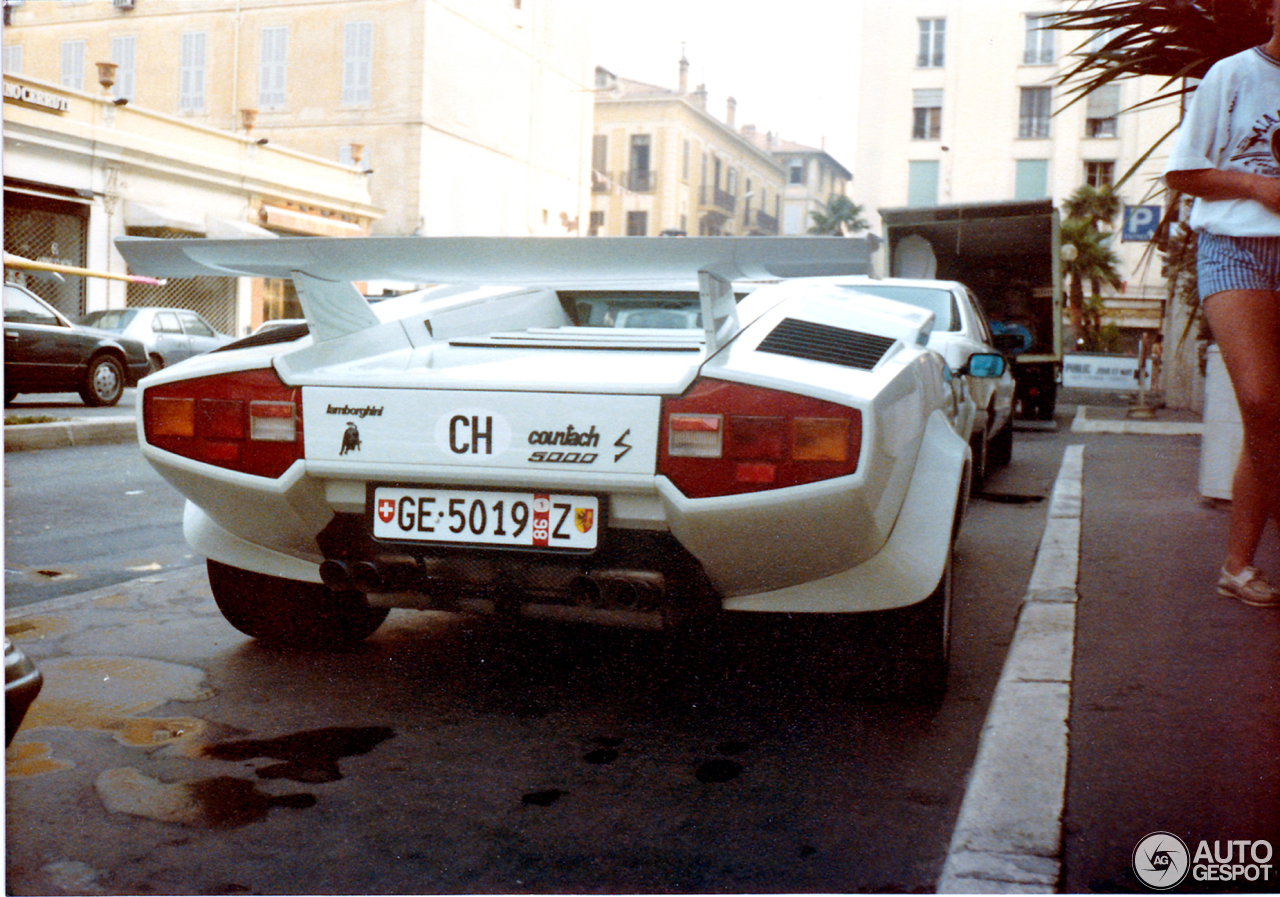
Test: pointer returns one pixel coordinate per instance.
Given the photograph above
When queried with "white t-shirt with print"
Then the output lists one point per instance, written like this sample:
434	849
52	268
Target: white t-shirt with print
1233	124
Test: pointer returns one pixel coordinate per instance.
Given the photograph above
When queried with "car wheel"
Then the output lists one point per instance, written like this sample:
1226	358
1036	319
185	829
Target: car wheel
1000	450
981	451
103	382
157	363
291	614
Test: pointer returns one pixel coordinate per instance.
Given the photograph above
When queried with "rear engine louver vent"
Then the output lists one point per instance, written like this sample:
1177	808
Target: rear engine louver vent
819	342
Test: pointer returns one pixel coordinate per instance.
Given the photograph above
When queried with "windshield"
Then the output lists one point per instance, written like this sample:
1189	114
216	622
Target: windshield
940	302
116	319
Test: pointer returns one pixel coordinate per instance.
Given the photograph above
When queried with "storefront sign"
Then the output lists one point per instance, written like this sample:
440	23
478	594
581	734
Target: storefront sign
33	97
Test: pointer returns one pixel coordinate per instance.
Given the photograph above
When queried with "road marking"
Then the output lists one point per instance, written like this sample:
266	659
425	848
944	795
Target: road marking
1008	835
1082	424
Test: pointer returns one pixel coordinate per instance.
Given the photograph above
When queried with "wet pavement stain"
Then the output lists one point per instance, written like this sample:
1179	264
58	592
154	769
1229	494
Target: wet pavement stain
32	758
221	802
600	756
543	798
310	757
718	770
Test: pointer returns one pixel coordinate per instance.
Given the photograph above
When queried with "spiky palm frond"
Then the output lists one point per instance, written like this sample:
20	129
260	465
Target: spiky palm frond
841	216
1170	39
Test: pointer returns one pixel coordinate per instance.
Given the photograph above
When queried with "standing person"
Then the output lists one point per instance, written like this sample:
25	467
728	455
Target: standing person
1227	155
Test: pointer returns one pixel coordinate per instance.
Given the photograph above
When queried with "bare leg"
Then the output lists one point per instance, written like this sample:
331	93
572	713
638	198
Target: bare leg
1246	324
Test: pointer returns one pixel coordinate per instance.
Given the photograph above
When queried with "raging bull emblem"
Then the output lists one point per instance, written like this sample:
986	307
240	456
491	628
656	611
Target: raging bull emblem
350	439
583	518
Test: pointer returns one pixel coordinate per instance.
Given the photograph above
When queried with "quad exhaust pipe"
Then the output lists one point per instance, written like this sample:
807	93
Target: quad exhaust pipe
605	589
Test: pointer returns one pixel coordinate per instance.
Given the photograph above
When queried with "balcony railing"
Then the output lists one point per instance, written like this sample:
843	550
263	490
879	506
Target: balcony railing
714	196
766	224
642	180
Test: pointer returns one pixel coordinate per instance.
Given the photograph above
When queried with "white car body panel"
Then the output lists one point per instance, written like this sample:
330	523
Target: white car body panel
463	387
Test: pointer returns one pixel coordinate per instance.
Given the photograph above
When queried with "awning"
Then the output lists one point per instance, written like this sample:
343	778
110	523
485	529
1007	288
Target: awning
138	214
305	223
231	229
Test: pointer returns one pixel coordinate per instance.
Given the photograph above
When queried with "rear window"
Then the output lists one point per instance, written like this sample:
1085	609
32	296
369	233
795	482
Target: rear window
116	319
634	309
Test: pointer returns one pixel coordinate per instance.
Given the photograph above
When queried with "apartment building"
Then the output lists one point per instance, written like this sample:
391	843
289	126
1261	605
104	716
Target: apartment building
467	117
960	102
662	164
813	177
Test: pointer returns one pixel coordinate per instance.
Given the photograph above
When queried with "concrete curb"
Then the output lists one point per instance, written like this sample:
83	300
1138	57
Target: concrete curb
69	433
1082	424
1008	836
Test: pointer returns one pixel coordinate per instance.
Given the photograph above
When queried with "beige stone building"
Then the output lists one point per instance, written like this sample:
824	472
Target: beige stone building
468	117
81	171
813	178
959	102
661	163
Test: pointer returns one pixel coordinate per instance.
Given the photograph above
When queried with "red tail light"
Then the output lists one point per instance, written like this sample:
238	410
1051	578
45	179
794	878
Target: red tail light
722	438
247	421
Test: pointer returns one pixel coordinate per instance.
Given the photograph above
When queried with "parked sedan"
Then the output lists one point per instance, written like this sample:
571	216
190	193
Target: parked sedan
170	334
45	352
554	449
960	329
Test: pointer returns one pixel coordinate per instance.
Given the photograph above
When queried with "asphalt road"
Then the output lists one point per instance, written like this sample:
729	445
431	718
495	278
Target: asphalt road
78	519
450	754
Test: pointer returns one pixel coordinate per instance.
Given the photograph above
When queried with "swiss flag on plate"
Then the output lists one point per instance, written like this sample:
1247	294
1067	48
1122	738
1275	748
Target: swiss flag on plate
386	509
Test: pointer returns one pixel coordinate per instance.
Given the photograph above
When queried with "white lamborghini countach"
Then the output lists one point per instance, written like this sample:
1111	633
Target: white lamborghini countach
579	439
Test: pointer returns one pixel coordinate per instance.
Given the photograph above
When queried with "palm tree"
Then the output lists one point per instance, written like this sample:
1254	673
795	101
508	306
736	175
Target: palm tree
1089	260
1097	205
841	216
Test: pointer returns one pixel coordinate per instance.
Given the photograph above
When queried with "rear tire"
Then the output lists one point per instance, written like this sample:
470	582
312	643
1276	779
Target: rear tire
103	382
1000	449
291	614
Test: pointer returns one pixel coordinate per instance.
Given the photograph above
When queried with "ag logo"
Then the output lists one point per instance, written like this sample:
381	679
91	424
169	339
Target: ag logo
1161	861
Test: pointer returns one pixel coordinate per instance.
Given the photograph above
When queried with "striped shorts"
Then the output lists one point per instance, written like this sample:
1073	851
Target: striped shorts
1237	263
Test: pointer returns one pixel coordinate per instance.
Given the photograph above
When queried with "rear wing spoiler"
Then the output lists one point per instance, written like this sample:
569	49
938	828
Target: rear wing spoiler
323	269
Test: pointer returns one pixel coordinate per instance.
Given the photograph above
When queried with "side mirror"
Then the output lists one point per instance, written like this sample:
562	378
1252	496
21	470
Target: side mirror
984	365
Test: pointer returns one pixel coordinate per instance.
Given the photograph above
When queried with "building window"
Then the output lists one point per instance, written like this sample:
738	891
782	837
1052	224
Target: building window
1033	117
926	114
640	177
684	161
72	72
933	43
596	224
1099	174
1039	47
637	224
796	171
922	183
124	52
1031	179
13	59
600	154
1103	106
191	72
357	63
272	59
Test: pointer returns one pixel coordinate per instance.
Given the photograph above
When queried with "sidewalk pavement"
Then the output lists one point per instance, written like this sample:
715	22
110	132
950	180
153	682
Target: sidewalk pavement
1134	700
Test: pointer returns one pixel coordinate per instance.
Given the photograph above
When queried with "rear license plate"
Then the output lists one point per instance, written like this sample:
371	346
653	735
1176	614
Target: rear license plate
478	517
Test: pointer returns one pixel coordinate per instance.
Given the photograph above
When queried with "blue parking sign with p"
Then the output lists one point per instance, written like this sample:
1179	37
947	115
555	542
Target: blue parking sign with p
1140	223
